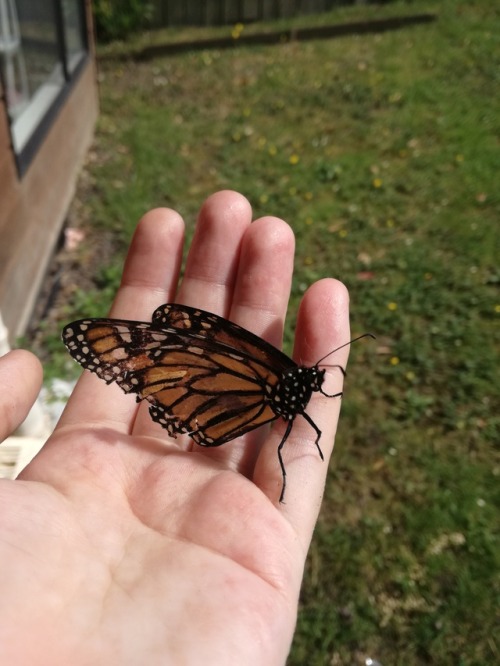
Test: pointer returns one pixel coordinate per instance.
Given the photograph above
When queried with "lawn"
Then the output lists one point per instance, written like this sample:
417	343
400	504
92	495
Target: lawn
382	152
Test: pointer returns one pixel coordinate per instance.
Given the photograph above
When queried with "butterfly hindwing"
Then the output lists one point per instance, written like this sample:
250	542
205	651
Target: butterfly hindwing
112	348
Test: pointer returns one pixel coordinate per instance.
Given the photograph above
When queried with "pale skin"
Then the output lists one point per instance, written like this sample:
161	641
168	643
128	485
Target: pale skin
119	545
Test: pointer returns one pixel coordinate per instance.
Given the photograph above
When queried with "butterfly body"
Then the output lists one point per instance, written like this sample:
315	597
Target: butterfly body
203	375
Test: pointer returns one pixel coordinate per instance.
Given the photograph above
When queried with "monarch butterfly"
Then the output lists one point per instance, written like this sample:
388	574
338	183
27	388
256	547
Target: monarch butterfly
203	375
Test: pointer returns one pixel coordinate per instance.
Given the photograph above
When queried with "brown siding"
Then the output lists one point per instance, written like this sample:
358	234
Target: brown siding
9	186
33	209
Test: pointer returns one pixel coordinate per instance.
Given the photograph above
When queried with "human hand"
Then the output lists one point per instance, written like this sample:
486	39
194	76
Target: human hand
119	545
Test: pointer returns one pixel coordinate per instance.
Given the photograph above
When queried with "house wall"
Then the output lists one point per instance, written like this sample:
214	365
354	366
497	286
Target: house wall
33	207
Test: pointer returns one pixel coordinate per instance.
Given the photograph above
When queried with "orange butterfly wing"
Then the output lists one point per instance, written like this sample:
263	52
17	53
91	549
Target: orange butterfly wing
202	374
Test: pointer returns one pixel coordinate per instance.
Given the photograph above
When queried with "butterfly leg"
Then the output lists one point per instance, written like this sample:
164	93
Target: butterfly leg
283	471
317	430
285	437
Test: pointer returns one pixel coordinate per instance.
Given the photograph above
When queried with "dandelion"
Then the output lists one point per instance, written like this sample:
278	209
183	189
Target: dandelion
377	183
237	30
264	198
410	375
294	159
394	360
459	158
343	233
497	309
392	306
309	221
389	223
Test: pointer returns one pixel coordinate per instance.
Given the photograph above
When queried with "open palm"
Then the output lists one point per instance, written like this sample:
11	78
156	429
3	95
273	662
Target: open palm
119	545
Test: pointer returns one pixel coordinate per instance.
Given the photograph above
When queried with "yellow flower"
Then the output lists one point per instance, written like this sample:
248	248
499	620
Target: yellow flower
497	309
343	233
309	220
392	306
394	360
389	223
294	159
237	30
264	198
410	375
377	182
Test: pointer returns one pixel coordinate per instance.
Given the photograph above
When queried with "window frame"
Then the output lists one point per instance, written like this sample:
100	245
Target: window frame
25	156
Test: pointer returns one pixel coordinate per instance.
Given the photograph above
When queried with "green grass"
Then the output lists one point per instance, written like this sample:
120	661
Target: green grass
382	153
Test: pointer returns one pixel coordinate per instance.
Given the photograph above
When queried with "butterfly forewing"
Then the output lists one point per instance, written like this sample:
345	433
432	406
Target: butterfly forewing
200	325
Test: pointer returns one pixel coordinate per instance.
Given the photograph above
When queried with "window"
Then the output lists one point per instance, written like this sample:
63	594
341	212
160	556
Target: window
74	31
42	46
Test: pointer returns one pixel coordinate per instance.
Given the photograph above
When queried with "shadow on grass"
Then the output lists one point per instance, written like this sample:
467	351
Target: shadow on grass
276	37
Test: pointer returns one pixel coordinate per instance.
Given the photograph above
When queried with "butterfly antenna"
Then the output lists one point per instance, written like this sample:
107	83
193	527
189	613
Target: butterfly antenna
365	335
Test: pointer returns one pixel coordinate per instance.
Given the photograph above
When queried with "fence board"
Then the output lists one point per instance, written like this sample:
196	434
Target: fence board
226	12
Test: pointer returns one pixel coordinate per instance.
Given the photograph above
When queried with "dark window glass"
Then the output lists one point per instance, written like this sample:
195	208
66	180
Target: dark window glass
41	45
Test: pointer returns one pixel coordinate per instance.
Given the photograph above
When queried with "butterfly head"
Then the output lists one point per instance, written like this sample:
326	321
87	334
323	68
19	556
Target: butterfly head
321	373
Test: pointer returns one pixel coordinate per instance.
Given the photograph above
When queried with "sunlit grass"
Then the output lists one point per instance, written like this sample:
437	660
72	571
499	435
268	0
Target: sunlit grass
381	151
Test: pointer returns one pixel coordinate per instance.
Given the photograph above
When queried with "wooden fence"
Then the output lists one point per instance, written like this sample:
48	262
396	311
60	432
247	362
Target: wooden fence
224	12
